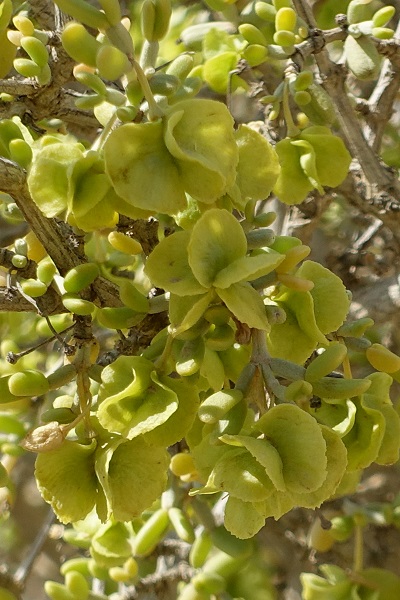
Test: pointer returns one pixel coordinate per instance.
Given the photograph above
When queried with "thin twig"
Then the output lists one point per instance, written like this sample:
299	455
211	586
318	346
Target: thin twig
25	567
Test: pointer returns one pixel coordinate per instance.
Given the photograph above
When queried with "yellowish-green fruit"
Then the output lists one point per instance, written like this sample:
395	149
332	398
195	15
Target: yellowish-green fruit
33	287
79	44
181	524
151	532
36	50
265	11
77	585
382	359
124	243
20	152
252	34
182	463
200	549
255	54
284	38
112	63
23	24
383	16
326	362
285	19
80	277
26	67
85	13
61	376
299	284
46	270
28	383
293	257
76	305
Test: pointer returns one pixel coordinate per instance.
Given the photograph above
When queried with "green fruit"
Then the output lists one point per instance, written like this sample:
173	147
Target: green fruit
383	16
84	12
77	585
19	261
200	549
76	305
382	359
112	63
252	34
5	394
46	270
181	524
284	38
265	11
79	44
80	277
326	362
33	287
217	405
285	19
151	533
26	67
36	49
220	337
212	583
61	376
20	152
28	383
164	84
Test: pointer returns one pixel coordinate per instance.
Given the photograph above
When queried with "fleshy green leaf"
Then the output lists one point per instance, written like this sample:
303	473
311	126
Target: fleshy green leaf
185	311
298	439
238	473
288	340
336	466
364	440
246	304
199	134
144	174
167	266
135	414
292	185
377	397
266	454
302	305
255	184
179	423
331	302
248	268
50	179
137	476
243	519
216	241
126	376
110	546
66	479
217	71
332	159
